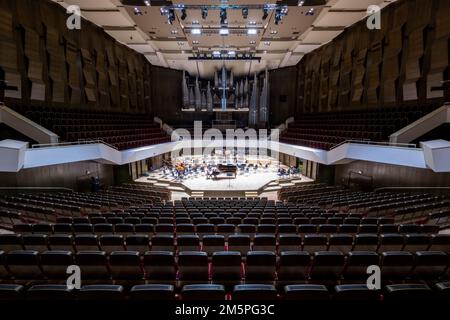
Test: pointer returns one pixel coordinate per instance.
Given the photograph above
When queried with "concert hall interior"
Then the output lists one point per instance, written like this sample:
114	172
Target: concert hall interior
226	150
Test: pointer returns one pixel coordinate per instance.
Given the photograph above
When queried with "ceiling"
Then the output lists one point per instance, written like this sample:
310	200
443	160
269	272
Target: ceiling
171	45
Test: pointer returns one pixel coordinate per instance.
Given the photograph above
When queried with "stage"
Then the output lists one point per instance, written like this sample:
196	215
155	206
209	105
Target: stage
255	180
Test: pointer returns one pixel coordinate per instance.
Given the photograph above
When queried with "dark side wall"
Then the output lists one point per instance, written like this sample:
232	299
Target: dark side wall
57	67
382	175
73	175
166	92
283	94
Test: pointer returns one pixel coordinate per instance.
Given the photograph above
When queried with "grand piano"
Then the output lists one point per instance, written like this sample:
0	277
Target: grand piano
225	171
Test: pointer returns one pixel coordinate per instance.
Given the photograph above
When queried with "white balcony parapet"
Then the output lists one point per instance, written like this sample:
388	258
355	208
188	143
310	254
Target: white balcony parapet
25	126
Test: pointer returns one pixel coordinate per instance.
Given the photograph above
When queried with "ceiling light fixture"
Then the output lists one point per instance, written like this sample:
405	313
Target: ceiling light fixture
195	42
147	3
231	53
224	31
252	42
301	3
310	12
252	31
196	31
216	53
137	12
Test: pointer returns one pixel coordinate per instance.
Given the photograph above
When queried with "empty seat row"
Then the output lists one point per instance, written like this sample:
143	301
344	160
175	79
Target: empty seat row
235	242
227	267
215	292
220	218
203	228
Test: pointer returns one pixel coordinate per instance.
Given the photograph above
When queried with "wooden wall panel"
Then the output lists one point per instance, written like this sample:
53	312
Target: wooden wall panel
394	66
391	176
283	94
57	67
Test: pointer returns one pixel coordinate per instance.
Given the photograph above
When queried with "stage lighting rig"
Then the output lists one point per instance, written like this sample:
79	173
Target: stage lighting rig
280	10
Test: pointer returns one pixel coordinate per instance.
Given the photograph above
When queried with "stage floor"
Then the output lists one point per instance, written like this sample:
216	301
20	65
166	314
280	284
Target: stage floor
242	182
261	180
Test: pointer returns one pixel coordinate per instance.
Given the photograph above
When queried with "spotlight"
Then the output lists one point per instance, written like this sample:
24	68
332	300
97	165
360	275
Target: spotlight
265	14
183	14
171	16
310	12
216	53
277	19
147	3
137	12
223	16
301	3
278	16
232	53
163	11
204	12
245	12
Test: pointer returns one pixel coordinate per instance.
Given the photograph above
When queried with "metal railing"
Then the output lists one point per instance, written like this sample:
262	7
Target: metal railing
72	143
377	143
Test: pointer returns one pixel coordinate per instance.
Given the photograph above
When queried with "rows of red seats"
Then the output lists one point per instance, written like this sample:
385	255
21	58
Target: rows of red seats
328	129
405	207
122	130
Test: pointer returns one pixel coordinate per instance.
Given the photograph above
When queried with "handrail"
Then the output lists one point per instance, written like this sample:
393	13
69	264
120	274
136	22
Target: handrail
79	142
379	143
